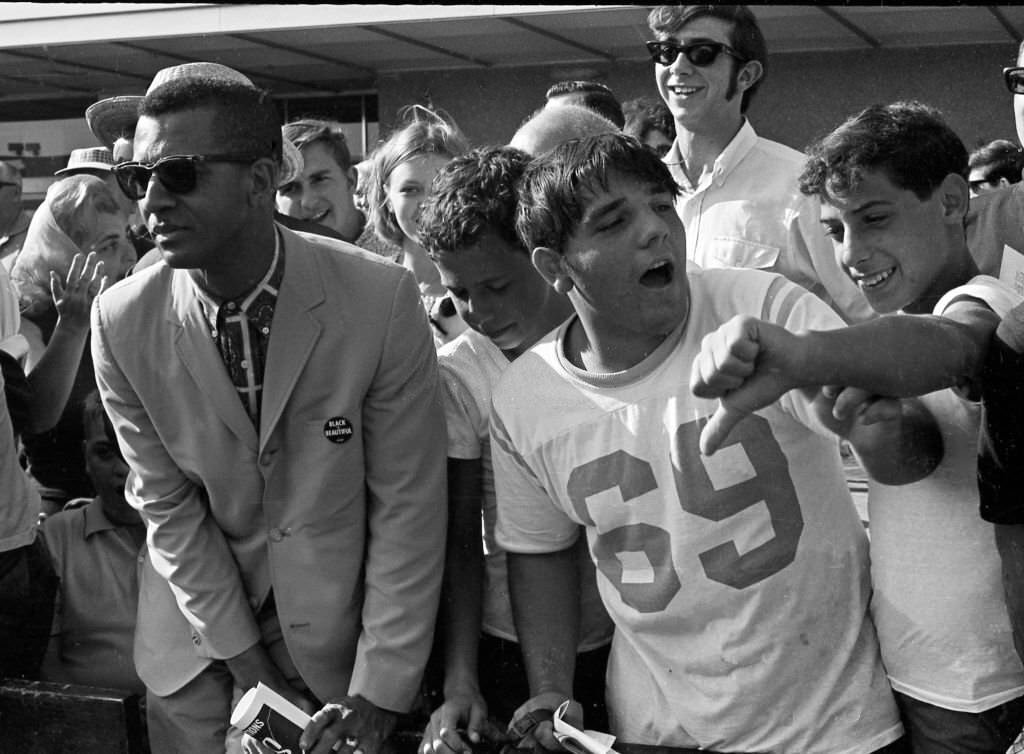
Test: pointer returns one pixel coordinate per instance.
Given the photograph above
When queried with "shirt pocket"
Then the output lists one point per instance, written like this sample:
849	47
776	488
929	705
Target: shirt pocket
738	252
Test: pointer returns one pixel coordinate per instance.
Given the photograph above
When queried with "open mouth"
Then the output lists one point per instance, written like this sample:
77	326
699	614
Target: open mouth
658	276
683	91
319	217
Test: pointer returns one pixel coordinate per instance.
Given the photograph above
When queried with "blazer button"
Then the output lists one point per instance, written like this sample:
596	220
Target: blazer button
276	535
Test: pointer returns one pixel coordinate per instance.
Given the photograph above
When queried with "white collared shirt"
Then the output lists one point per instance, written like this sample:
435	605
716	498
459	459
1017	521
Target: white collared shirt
748	212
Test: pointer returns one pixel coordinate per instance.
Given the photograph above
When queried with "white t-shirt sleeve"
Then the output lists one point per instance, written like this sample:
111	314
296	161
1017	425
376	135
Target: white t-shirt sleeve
529	521
462	415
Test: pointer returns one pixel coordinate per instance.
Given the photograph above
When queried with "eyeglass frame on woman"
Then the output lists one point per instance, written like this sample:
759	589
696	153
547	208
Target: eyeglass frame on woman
717	47
123	172
1012	73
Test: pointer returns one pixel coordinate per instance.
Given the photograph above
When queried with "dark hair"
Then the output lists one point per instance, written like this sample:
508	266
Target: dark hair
471	195
646	114
247	121
308	131
909	141
554	190
1002	158
746	37
424	132
92	410
590	94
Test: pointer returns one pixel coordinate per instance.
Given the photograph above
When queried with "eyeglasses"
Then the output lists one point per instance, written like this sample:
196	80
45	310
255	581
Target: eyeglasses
700	54
177	173
1014	78
979	184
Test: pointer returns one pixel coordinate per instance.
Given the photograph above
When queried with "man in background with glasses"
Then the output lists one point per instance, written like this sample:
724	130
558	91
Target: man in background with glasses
276	398
739	202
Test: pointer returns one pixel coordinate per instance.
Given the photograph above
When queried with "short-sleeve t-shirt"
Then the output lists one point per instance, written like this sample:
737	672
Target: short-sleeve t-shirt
738	582
938	602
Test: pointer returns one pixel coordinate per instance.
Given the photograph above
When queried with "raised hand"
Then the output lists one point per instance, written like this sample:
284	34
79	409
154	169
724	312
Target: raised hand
74	295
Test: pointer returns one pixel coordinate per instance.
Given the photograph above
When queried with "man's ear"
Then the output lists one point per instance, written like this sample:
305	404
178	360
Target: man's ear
264	172
955	196
549	264
353	178
749	74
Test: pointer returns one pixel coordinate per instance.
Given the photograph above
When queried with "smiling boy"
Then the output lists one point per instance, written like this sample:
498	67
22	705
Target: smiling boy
892	181
323	193
737	584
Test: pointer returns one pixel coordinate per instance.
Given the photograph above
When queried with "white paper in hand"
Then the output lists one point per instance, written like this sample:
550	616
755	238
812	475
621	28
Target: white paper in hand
271	719
581	741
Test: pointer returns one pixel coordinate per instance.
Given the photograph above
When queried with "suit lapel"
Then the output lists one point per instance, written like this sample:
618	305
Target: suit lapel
295	330
201	358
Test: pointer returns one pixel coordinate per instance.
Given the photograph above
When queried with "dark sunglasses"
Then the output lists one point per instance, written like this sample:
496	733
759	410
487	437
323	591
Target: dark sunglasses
177	173
700	54
1014	78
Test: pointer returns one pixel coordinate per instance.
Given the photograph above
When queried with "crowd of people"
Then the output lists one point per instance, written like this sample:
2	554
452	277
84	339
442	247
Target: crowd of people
453	437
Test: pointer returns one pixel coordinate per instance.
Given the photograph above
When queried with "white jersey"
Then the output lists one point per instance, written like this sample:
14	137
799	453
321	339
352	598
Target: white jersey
470	366
938	604
738	583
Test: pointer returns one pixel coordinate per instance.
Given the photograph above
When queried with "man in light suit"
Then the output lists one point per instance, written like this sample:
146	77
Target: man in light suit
276	398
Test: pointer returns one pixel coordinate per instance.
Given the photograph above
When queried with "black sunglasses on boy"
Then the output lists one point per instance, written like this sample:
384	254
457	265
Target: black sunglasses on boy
701	53
1014	79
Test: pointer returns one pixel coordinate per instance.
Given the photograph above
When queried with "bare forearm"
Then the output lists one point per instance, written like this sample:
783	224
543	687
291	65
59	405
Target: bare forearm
545	605
53	377
900	356
462	589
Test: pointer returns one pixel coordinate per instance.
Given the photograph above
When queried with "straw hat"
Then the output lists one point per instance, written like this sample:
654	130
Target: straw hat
91	158
111	117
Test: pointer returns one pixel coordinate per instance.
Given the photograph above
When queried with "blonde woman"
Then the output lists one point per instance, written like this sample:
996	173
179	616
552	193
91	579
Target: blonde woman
401	171
77	241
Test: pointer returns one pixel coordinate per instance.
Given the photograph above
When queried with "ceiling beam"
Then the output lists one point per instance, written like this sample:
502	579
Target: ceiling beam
848	24
250	74
557	38
1004	22
39	82
425	45
53	59
251	39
